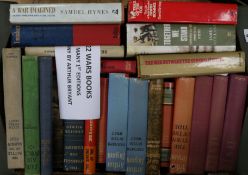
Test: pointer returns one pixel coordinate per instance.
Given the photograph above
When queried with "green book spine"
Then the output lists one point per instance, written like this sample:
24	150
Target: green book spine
30	80
174	38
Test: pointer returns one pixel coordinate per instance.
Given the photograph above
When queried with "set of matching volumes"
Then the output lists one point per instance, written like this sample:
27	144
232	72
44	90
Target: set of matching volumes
191	125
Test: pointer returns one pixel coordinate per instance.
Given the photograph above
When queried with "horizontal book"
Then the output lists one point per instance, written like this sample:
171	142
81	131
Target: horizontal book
106	51
118	66
173	38
181	12
65	35
66	13
190	64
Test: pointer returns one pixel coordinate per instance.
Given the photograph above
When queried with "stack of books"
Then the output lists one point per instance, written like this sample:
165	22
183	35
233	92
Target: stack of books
170	87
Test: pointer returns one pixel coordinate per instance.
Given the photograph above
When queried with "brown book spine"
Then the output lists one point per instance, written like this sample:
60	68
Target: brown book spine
154	127
168	101
102	124
12	82
183	108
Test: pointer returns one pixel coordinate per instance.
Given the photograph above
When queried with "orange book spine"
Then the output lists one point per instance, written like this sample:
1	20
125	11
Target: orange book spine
102	123
90	147
167	123
183	108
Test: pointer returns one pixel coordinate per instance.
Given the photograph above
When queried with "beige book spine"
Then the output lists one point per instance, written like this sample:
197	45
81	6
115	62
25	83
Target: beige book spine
13	106
191	64
106	51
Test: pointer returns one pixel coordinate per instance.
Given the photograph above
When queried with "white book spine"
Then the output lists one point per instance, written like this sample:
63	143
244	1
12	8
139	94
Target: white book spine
70	13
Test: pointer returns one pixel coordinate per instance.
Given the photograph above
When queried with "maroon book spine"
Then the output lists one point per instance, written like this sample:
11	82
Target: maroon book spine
233	122
199	126
216	121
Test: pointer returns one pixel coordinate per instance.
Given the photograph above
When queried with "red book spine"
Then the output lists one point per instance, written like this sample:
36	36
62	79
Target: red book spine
96	34
181	12
167	121
118	66
102	123
216	122
199	125
90	146
233	122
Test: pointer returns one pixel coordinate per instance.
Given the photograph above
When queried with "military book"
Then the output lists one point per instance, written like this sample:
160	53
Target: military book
30	85
189	64
148	38
183	110
12	82
154	126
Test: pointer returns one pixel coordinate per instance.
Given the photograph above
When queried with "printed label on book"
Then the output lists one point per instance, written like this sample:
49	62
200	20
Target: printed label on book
78	76
246	35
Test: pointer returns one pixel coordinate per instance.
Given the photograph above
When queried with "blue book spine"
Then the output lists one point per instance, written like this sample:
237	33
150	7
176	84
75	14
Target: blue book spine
41	35
45	70
137	127
117	122
73	145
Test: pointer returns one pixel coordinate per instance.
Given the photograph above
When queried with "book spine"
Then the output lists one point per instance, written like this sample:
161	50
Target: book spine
187	12
118	66
176	65
199	125
216	122
242	158
117	123
137	126
102	125
183	108
58	131
172	38
12	82
106	51
63	35
90	141
73	145
233	122
168	103
86	13
46	127
154	126
30	79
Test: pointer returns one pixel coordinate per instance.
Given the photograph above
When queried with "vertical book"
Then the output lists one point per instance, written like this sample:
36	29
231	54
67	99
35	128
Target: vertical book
184	95
12	82
30	79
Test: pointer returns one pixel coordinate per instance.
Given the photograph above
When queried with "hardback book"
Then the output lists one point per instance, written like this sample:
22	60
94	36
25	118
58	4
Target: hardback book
30	86
150	38
199	124
154	126
58	130
12	82
90	134
182	118
137	126
66	13
73	145
168	107
216	122
118	66
242	30
189	64
235	107
242	168
117	122
186	12
64	35
102	122
63	1
106	51
46	113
